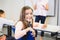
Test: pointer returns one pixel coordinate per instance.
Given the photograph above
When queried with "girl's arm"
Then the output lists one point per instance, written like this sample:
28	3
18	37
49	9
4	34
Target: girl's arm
19	32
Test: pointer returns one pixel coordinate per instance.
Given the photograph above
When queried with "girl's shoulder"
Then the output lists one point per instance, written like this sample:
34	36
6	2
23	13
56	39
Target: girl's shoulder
19	23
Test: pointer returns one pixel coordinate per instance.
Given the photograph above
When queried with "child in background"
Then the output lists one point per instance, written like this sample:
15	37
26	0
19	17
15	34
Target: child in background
3	21
40	11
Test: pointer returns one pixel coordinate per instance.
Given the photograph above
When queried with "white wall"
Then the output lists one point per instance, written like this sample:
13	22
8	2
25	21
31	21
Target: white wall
12	9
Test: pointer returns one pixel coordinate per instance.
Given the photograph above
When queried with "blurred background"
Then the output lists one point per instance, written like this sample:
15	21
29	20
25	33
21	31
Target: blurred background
12	9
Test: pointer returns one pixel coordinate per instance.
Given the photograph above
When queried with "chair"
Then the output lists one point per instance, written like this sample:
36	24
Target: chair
9	32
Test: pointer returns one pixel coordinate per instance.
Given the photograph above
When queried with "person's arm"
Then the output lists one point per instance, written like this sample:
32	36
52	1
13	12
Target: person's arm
46	7
19	32
45	4
35	7
8	22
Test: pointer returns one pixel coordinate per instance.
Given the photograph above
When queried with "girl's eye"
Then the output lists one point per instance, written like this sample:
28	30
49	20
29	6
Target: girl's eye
31	13
26	13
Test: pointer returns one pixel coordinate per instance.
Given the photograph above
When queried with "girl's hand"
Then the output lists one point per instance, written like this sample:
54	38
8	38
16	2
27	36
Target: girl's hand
33	32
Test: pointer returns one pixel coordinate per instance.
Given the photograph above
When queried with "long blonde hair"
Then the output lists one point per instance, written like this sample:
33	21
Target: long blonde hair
22	16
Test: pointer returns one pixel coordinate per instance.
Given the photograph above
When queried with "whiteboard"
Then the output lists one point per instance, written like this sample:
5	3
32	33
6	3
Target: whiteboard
51	11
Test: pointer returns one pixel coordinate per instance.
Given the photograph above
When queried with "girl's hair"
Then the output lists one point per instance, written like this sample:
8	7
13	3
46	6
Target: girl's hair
22	16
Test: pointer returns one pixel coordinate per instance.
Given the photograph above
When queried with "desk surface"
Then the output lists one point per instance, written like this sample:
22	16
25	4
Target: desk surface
50	28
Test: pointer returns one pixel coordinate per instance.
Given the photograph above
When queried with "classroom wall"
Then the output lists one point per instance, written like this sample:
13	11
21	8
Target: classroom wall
12	8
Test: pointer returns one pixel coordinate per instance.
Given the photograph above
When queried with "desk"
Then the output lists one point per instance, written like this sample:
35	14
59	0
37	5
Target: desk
49	28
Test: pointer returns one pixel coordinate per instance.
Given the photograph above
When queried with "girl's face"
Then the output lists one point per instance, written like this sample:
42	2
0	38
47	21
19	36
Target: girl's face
28	15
